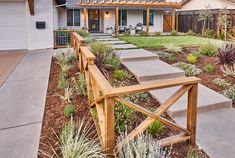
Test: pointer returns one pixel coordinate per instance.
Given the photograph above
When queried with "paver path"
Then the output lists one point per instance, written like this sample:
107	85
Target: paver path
216	118
22	101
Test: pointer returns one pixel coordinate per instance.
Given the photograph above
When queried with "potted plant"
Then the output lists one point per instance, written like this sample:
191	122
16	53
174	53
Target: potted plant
109	30
132	30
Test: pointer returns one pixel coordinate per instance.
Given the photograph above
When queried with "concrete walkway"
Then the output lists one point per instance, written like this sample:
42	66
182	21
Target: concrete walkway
216	118
22	102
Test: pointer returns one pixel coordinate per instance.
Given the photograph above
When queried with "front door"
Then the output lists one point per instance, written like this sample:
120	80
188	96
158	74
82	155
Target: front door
93	20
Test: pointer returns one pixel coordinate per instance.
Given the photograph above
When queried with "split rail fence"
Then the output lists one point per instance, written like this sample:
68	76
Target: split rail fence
102	96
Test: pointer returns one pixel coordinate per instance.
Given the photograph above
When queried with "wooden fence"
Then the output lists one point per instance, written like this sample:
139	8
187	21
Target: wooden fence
102	96
189	20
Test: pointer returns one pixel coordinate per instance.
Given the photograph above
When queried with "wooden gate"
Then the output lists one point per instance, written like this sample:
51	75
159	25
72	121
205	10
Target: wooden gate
167	23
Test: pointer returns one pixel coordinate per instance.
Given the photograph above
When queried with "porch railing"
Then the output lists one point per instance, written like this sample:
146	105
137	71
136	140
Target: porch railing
102	96
62	38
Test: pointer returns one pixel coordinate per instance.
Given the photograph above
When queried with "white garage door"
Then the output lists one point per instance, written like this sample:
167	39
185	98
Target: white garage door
12	25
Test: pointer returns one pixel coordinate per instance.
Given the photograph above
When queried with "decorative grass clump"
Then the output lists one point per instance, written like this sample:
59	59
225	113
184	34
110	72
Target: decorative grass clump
189	69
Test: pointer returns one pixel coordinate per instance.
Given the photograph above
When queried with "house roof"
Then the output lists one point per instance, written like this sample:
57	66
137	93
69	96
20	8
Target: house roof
123	3
183	2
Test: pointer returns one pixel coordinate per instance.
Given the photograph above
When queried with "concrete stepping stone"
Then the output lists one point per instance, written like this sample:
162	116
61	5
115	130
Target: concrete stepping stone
107	39
136	55
100	34
103	37
215	132
152	70
114	42
124	46
207	100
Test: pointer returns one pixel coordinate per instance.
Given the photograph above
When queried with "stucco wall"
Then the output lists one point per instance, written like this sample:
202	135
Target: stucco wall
40	38
200	4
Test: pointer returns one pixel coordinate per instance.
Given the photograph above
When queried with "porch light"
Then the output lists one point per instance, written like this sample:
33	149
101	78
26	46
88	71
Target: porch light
107	13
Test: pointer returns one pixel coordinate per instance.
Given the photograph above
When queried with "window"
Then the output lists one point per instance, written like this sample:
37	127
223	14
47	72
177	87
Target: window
151	18
122	17
73	17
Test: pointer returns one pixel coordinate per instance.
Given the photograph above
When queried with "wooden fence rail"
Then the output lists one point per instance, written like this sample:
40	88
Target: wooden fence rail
102	96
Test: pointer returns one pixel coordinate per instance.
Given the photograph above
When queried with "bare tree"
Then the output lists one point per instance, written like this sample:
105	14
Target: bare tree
204	16
224	21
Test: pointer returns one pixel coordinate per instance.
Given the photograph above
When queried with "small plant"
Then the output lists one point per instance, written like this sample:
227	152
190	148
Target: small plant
82	80
68	92
157	33
83	33
171	58
190	33
174	33
172	48
143	33
192	153
226	54
137	98
191	59
123	117
119	74
113	61
126	34
230	93
228	70
69	110
101	51
162	54
62	83
89	39
222	83
155	128
209	68
142	147
189	69
208	49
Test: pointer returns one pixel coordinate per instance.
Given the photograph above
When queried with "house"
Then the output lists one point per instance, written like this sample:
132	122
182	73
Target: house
189	13
29	24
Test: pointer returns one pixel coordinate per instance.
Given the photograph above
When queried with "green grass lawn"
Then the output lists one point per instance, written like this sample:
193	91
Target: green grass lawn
160	41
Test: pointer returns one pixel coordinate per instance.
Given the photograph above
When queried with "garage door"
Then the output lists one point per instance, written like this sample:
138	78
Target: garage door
12	25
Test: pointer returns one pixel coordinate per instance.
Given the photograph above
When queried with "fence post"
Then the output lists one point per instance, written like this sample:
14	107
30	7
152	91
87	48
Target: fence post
192	112
109	136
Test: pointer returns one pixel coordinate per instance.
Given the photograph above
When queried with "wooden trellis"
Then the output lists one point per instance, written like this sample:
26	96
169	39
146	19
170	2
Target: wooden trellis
102	96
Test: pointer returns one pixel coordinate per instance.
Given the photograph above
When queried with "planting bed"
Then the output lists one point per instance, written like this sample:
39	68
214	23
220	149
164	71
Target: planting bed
201	62
54	119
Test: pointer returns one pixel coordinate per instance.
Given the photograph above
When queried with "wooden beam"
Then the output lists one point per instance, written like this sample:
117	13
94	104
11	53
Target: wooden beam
173	139
173	20
85	18
177	22
116	21
31	6
147	20
192	113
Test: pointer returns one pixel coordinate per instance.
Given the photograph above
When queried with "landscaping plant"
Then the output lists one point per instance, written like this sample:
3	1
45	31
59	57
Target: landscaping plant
224	22
174	33
226	53
157	33
191	59
222	83
228	70
113	61
189	69
190	33
137	98
79	85
162	54
68	93
83	33
119	75
62	83
230	93
155	128
208	49
205	16
142	147
209	68
192	154
172	48
69	110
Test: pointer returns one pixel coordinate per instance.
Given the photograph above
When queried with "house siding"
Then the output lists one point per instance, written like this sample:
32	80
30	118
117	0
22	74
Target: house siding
214	4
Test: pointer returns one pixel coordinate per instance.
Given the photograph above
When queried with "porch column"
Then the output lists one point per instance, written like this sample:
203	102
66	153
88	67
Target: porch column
173	19
85	19
147	20
116	21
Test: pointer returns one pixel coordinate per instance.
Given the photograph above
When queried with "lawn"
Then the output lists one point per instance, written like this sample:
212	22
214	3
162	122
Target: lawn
159	42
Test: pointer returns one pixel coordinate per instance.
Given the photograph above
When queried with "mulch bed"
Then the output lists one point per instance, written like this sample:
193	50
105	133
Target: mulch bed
201	62
54	119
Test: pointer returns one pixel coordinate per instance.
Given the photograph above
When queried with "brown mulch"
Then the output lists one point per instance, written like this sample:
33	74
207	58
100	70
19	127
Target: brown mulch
54	119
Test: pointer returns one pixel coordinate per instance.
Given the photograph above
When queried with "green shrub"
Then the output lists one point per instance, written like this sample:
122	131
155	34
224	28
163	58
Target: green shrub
79	142
83	33
189	69
191	59
208	33
209	68
196	54
230	93
190	33
126	34
62	83
192	154
174	33
89	39
82	80
172	48
208	49
155	128
69	110
157	33
119	75
222	83
137	98
113	61
171	58
162	54
142	147
68	93
124	117
101	51
143	33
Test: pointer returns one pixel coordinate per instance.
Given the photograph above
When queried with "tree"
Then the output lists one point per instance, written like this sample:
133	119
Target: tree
204	16
224	22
